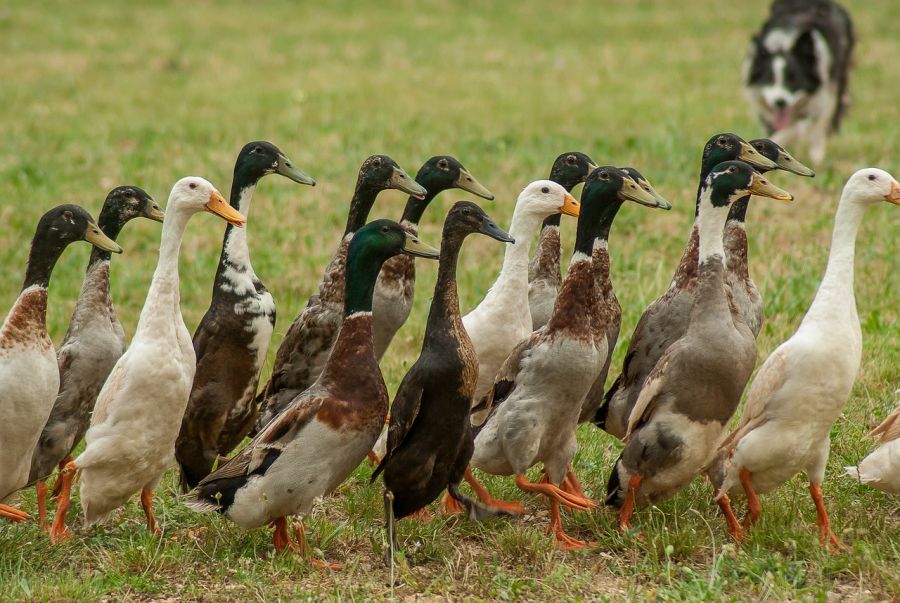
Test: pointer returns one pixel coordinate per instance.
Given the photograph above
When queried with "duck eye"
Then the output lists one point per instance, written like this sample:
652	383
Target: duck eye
466	212
872	177
384	229
442	164
193	185
721	141
545	190
377	163
257	149
730	170
570	159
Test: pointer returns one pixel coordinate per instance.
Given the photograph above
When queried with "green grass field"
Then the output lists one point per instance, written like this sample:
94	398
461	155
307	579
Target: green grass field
94	96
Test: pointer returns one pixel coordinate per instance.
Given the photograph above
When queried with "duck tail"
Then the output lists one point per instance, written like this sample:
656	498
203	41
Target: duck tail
615	494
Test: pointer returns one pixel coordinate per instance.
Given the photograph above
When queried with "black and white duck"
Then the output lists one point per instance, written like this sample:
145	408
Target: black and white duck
233	337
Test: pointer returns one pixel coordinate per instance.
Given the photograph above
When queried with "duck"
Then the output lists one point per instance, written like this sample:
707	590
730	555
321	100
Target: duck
395	288
666	318
881	469
544	275
29	374
306	345
233	337
538	392
696	386
747	299
610	307
503	318
131	438
803	385
429	436
322	435
94	341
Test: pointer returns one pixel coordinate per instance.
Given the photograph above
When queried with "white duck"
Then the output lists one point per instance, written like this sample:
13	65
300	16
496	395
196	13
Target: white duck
138	413
503	317
881	469
29	376
802	387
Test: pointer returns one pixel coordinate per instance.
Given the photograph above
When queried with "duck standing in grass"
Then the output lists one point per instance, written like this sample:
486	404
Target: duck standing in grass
131	440
29	374
688	399
666	319
544	275
881	469
307	343
324	433
801	388
537	396
232	339
430	439
395	288
93	343
612	311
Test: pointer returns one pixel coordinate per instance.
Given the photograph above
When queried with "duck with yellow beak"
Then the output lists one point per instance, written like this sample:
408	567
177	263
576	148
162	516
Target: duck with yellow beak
131	439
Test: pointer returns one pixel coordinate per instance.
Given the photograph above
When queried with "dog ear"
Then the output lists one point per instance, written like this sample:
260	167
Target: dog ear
805	48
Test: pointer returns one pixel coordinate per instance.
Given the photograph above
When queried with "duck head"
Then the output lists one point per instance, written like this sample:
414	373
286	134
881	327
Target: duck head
260	158
780	157
465	218
443	172
731	180
370	247
728	147
543	198
193	194
571	169
125	203
869	186
55	230
645	184
380	172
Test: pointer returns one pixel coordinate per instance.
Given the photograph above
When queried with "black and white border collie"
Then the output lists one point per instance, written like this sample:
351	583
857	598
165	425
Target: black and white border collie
795	75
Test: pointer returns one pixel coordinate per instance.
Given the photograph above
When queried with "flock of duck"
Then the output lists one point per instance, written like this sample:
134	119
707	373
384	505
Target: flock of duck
501	389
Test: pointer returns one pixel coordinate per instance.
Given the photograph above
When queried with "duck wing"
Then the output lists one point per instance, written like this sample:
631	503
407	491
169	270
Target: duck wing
770	378
404	411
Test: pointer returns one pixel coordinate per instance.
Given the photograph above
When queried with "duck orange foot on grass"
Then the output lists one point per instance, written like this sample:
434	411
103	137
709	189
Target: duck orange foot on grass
13	514
283	542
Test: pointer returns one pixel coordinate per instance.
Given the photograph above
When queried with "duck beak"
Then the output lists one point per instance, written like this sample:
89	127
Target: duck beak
661	202
292	172
755	158
495	232
763	188
467	182
413	246
218	206
632	191
894	195
786	162
401	181
156	214
571	206
95	237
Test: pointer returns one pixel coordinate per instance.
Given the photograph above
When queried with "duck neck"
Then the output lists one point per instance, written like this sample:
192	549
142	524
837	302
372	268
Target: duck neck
360	206
235	251
165	277
738	210
835	294
111	224
576	309
445	304
595	226
711	224
359	283
414	209
42	258
351	372
711	266
515	259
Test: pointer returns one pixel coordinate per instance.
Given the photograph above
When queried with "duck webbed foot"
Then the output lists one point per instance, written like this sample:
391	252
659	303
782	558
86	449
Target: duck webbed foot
562	539
826	536
477	511
283	542
552	492
627	509
510	507
13	514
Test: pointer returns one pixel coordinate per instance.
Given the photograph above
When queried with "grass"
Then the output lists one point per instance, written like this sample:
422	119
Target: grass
96	95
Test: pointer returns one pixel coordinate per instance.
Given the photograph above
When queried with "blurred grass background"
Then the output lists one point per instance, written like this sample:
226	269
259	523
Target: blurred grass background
98	94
